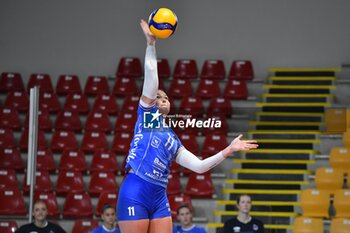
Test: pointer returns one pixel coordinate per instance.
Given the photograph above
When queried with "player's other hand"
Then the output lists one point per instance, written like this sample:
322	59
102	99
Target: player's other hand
151	39
240	145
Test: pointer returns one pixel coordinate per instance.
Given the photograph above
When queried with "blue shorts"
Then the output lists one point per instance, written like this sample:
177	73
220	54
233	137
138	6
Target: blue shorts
140	199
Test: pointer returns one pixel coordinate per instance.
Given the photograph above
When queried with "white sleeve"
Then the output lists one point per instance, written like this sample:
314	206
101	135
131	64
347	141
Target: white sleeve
188	160
150	83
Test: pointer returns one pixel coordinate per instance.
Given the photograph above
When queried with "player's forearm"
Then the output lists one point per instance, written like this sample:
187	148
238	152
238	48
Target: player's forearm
186	159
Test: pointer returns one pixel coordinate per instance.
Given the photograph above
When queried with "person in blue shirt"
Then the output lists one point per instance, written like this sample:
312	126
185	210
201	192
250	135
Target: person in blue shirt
184	216
143	205
109	219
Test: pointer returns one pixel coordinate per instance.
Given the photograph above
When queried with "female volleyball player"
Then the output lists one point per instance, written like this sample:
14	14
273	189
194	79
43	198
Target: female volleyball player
142	203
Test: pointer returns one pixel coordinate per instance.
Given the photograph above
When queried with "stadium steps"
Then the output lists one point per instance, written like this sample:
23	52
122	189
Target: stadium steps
289	117
287	128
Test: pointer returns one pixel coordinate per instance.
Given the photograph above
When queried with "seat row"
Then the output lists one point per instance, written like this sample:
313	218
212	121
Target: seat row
102	122
316	225
179	89
330	179
97	141
316	203
71	180
129	67
79	226
76	204
206	89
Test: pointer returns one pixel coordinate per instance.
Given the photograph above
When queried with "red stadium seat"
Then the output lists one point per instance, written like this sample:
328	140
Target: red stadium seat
130	104
190	142
9	118
121	143
23	143
174	185
180	88
241	70
49	101
68	120
42	182
208	89
105	103
126	122
69	181
77	102
77	205
125	86
200	186
192	106
96	85
186	117
219	106
175	168
98	121
104	161
185	69
11	157
11	82
73	161
8	179
213	143
12	202
44	121
236	89
49	198
68	84
122	170
94	141
102	181
213	69
18	101
8	226
7	140
41	80
129	67
176	200
84	226
217	125
106	198
163	68
63	140
45	161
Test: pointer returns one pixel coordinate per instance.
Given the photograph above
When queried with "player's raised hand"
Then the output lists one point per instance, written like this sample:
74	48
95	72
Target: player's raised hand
151	39
239	145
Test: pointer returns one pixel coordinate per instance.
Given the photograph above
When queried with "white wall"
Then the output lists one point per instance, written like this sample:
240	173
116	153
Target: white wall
89	36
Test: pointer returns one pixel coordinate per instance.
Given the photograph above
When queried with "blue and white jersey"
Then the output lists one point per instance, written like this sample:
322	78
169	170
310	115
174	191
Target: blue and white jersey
193	229
153	147
103	229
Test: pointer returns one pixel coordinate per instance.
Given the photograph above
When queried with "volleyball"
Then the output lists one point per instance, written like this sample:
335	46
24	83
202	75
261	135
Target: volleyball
162	22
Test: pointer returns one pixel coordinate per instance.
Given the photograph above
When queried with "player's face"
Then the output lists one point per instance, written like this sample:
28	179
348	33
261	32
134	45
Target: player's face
39	212
162	102
185	216
244	204
109	216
